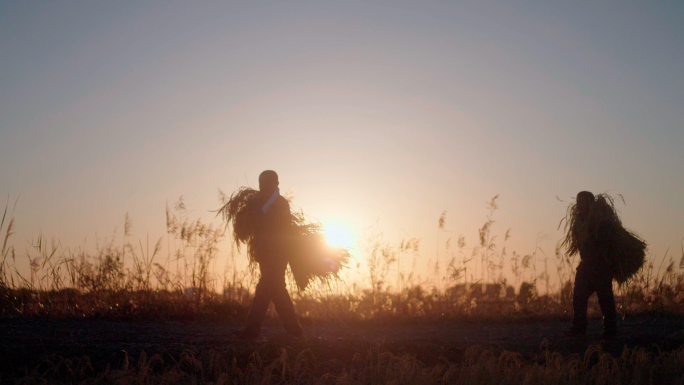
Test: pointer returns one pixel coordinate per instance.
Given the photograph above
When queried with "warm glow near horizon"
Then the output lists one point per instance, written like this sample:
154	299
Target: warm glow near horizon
376	113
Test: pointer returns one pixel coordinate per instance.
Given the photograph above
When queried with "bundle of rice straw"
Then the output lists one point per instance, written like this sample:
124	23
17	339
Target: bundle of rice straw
309	255
624	251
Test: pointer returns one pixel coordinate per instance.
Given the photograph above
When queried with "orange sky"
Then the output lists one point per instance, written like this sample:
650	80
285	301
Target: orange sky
371	112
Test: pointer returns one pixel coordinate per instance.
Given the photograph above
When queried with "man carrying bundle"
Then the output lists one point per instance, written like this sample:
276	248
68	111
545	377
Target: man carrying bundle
269	214
607	251
276	237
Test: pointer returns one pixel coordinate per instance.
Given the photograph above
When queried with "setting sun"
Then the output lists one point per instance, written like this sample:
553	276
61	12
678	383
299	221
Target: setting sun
339	233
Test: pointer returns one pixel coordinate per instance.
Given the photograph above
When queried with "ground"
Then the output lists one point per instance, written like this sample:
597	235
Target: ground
26	343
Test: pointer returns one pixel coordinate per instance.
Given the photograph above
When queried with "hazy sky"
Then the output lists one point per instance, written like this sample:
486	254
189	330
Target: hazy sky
386	111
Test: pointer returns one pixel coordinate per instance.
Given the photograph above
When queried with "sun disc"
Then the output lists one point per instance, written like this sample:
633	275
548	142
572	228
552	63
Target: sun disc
339	234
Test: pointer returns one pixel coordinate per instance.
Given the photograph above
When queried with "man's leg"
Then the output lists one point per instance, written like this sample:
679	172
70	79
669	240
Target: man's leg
604	290
262	298
286	312
283	303
580	296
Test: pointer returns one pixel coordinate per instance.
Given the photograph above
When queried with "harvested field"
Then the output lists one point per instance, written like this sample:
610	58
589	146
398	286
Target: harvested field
34	349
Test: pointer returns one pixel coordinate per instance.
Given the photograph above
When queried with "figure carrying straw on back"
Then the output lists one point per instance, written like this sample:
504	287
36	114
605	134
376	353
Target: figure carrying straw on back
607	251
276	237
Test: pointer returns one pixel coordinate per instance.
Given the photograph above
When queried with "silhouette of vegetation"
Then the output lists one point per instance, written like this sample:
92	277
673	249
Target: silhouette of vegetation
625	253
310	256
302	365
121	281
74	282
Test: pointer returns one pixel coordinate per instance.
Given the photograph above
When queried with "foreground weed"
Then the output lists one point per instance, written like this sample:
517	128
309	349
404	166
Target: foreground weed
479	366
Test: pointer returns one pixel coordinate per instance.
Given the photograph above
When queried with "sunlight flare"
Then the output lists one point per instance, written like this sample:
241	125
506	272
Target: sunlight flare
339	233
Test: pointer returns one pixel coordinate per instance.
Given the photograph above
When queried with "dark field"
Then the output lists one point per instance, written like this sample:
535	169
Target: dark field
205	351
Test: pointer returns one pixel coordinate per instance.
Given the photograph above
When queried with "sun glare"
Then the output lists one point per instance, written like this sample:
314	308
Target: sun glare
339	234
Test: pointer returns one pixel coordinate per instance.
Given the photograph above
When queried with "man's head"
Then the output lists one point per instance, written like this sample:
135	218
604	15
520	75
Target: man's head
268	181
584	201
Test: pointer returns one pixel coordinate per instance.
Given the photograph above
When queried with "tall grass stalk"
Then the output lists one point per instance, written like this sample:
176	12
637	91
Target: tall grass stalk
101	276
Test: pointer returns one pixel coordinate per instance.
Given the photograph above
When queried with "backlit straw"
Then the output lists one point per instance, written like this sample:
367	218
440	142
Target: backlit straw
625	252
309	254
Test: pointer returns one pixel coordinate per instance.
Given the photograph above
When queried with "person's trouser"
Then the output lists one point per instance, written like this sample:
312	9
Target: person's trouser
271	287
592	278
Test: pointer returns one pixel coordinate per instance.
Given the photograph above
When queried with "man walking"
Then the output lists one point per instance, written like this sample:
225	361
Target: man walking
590	233
273	231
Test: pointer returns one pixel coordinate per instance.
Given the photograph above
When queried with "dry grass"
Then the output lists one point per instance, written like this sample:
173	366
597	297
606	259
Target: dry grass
66	283
625	253
272	364
310	256
78	283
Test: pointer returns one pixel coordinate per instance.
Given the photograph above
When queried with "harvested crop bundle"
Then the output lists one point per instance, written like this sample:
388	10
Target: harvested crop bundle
601	228
627	254
307	251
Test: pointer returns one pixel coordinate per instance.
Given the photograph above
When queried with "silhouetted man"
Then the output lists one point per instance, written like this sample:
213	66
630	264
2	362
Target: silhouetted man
591	234
271	213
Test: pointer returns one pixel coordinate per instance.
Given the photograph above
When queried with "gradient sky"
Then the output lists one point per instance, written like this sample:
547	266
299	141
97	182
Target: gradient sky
372	111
